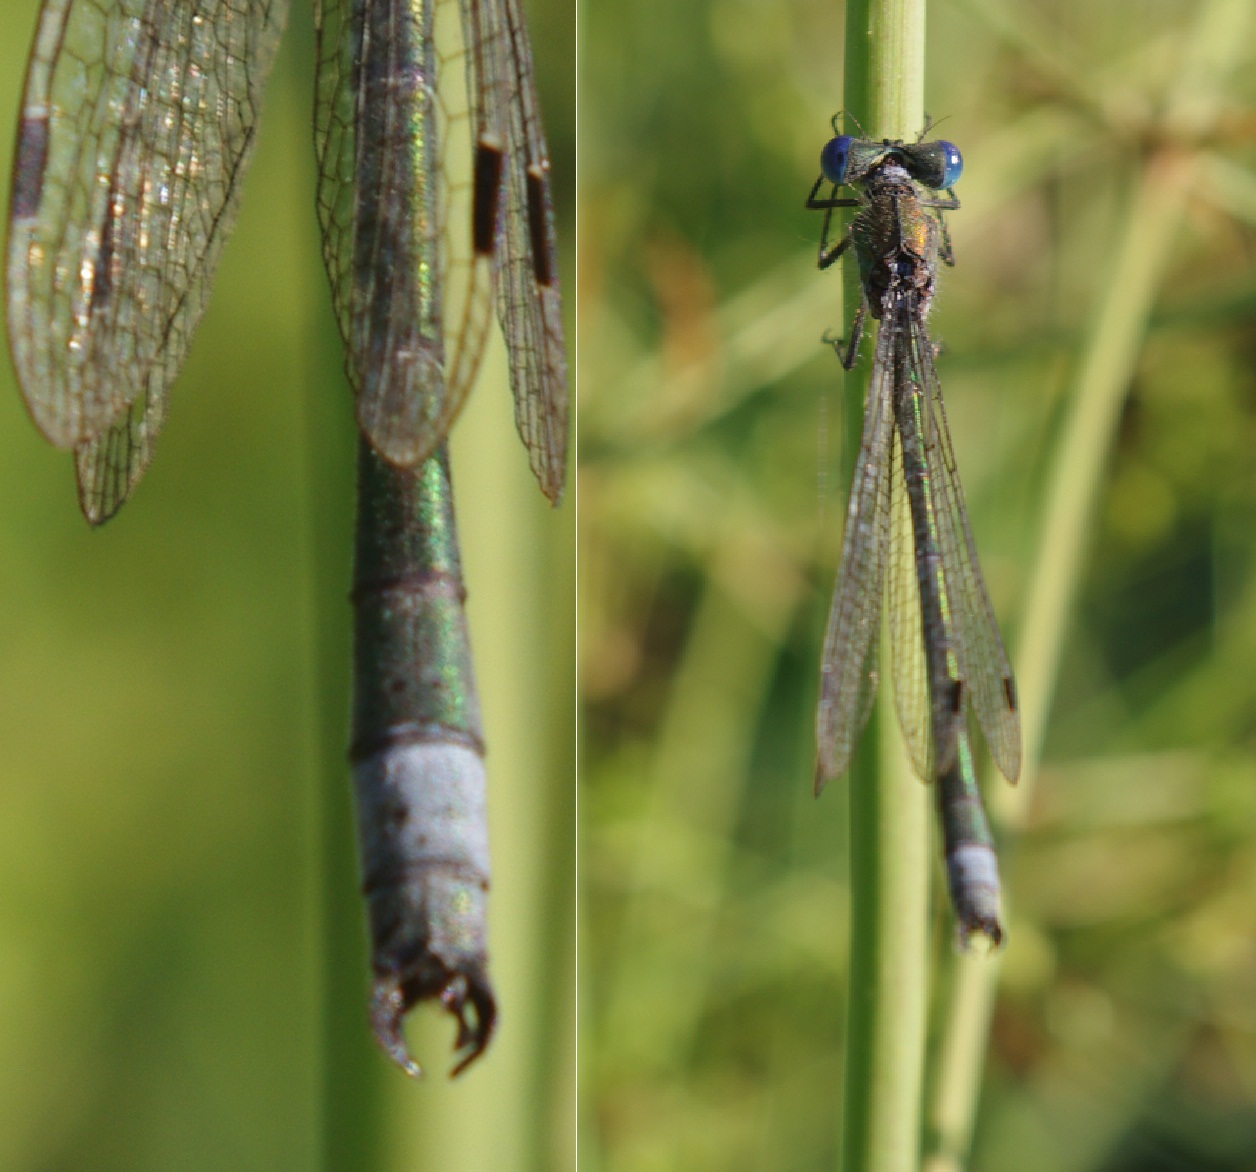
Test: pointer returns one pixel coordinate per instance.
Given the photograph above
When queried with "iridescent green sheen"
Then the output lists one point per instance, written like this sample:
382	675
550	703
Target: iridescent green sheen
907	531
414	679
972	867
434	204
418	757
380	206
942	666
420	236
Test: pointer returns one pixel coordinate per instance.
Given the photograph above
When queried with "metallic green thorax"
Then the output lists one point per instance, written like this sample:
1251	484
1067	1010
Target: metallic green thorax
413	671
894	224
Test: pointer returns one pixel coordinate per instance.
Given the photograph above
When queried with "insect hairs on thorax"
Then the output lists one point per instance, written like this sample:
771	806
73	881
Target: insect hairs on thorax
896	239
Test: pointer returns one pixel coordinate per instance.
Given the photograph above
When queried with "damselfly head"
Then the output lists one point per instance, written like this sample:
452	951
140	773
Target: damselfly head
846	160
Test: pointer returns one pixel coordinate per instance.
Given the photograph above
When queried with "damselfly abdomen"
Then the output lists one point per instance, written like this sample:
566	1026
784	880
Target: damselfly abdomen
434	202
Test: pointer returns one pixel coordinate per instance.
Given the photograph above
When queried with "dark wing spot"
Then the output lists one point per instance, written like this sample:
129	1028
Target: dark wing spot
488	185
538	226
29	165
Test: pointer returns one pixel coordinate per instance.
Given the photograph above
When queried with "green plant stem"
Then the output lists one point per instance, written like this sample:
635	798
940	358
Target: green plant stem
1218	42
353	1106
1081	455
889	808
1152	221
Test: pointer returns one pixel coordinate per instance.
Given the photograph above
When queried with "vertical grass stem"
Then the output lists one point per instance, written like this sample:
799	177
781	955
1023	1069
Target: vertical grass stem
889	820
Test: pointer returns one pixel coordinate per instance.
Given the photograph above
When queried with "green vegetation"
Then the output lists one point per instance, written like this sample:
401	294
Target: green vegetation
888	987
1097	362
173	699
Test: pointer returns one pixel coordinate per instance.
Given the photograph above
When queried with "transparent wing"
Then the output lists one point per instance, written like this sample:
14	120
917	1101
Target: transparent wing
409	151
137	123
108	466
930	700
848	667
529	303
911	685
983	662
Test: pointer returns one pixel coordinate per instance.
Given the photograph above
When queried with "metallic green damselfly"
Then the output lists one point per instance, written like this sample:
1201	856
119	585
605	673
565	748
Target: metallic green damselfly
907	530
433	198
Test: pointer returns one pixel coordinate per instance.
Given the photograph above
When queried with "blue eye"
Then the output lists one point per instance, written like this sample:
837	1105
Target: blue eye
953	163
835	157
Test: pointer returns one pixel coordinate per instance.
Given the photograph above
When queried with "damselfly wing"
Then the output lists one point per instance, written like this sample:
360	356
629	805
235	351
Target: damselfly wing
137	126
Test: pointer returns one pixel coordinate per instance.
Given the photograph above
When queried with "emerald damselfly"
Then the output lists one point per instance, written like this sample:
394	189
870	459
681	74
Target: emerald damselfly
907	532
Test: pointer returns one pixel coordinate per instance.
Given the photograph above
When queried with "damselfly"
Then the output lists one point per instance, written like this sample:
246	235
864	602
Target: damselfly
907	529
433	197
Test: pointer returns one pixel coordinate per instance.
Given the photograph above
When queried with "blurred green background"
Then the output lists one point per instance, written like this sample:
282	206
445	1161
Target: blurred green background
714	894
174	699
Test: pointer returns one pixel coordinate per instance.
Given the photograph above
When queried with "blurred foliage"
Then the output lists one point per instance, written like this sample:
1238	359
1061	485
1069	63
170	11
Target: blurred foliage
174	696
711	503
